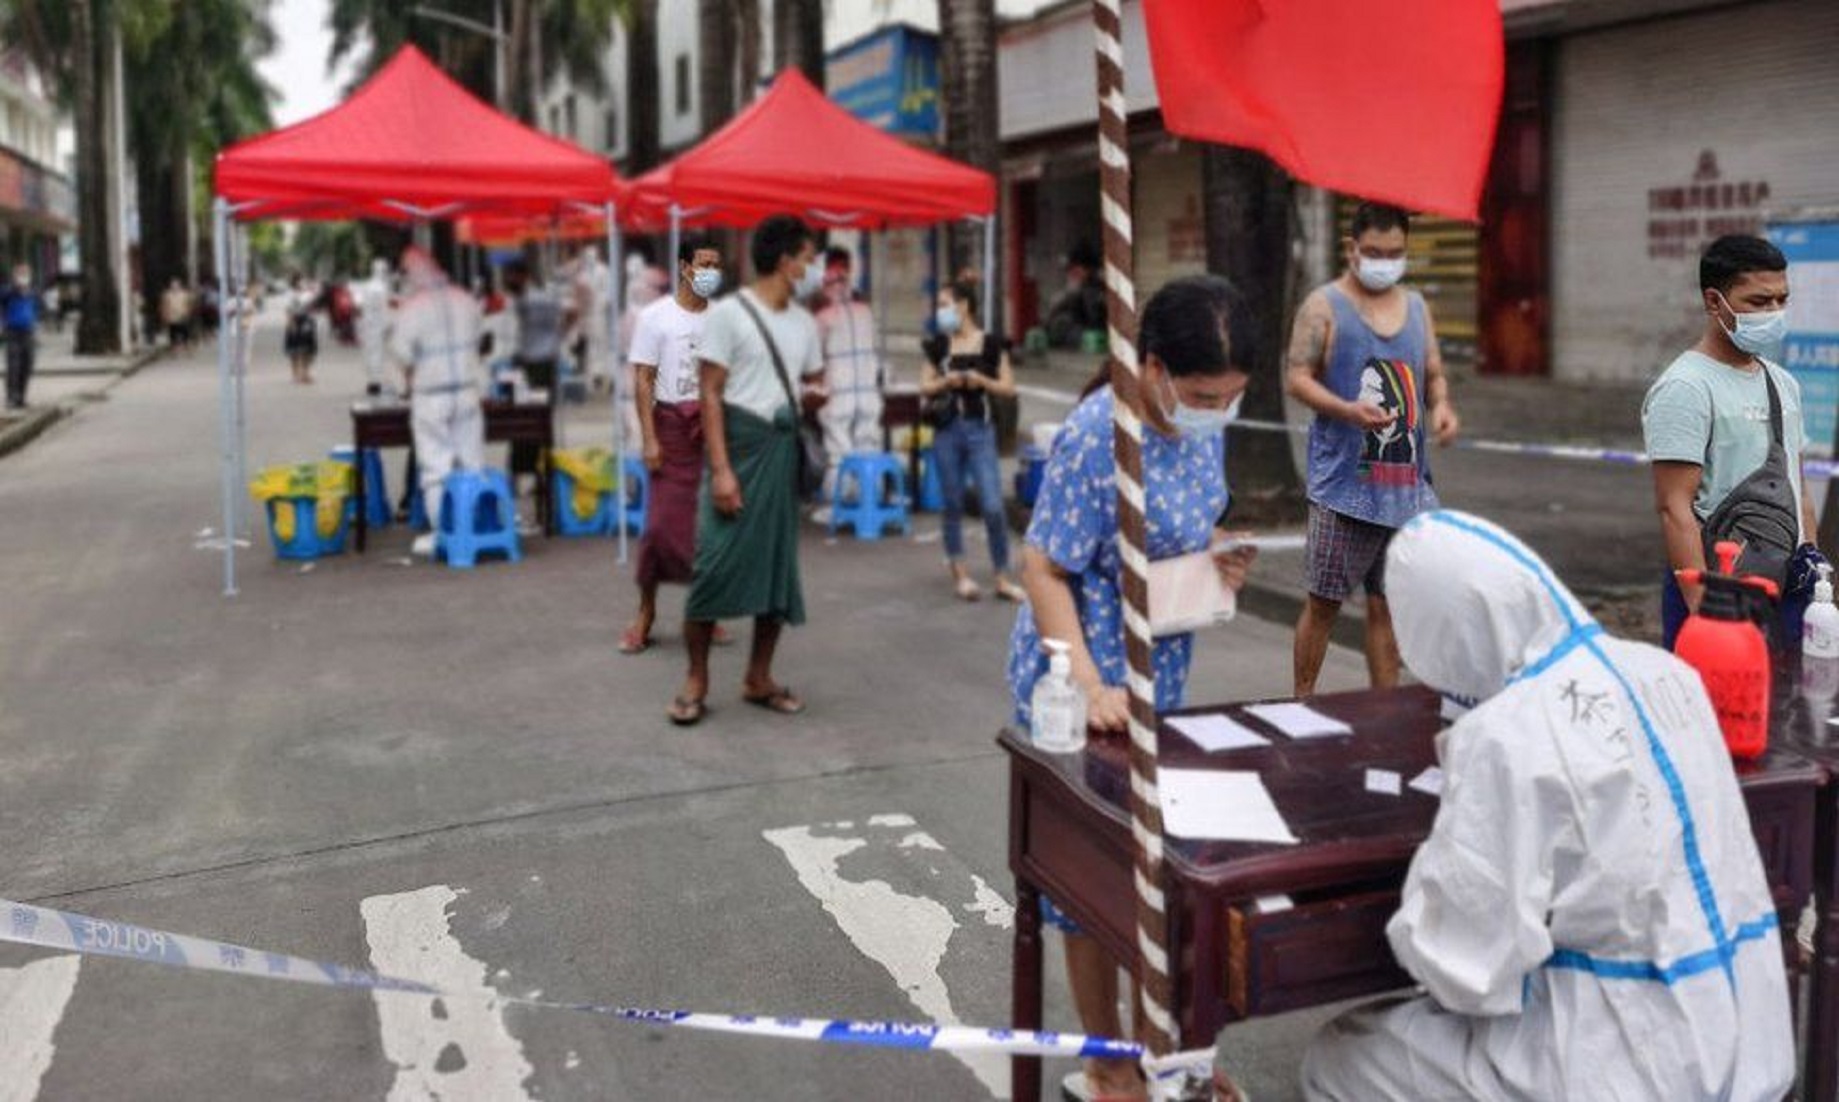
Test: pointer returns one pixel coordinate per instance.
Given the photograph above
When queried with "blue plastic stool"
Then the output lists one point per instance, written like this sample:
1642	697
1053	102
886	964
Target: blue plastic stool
418	511
562	494
307	543
376	503
874	508
931	491
638	498
478	514
1028	477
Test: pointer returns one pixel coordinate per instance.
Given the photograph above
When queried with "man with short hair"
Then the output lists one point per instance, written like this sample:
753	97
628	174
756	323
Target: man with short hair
1363	355
21	306
1712	420
852	369
758	346
665	346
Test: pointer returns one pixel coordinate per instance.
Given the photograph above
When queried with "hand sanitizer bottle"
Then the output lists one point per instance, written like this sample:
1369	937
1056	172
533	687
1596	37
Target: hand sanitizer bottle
1059	708
1820	627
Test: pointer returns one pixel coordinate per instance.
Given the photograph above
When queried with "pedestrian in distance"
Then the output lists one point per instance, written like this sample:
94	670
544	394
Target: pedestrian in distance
665	350
301	338
375	297
759	346
435	338
968	367
1363	356
21	307
542	317
1723	427
1195	338
853	371
176	314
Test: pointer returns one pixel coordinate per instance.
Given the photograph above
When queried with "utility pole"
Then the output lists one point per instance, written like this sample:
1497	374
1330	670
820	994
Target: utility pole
501	42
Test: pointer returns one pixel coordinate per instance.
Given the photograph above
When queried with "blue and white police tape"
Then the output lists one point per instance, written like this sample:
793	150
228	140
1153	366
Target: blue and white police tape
1812	468
24	924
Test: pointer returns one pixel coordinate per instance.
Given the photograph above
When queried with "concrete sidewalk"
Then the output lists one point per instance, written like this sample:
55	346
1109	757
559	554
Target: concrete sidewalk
62	382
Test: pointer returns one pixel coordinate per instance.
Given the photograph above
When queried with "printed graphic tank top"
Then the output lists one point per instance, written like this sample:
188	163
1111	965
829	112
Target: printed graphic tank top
1380	476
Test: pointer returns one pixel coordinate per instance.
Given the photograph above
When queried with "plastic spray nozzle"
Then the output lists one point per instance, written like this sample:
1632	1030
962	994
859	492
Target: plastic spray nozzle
1728	553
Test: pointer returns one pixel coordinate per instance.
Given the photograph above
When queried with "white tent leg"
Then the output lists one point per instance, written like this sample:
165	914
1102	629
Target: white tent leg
229	318
616	294
240	363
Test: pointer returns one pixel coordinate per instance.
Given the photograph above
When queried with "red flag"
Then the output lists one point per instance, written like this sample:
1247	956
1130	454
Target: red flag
1391	100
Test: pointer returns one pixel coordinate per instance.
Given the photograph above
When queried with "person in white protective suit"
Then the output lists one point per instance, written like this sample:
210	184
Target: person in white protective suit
852	369
374	296
1589	917
593	291
436	340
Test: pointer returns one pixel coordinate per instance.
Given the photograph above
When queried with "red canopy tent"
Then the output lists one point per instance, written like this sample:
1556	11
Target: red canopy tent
410	144
795	150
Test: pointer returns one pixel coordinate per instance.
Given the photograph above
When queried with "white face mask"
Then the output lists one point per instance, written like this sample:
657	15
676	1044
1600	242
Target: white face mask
1190	421
946	318
1379	275
810	282
1757	332
704	282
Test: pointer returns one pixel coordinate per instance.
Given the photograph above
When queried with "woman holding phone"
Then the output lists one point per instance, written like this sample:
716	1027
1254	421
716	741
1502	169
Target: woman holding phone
1195	341
972	367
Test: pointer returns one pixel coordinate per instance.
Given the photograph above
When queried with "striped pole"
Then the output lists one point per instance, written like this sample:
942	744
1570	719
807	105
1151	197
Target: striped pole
1157	1030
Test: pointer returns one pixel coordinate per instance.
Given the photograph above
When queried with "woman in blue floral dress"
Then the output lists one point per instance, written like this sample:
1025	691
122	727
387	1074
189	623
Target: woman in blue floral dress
1194	339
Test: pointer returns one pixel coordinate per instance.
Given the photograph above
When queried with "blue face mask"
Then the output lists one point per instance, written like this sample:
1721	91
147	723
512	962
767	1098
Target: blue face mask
1757	332
946	318
1191	421
704	282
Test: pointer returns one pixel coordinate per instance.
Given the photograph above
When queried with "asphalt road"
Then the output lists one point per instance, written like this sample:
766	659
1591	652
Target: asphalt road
452	775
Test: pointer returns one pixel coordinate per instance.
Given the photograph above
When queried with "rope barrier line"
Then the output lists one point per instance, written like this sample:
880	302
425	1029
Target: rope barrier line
1157	1030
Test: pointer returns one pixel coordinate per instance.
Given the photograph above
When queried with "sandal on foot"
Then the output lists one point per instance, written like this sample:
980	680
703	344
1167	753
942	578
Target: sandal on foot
780	700
721	637
685	712
1008	591
968	590
634	643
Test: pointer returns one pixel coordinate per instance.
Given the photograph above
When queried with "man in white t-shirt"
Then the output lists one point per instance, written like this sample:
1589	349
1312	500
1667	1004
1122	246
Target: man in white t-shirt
759	347
665	342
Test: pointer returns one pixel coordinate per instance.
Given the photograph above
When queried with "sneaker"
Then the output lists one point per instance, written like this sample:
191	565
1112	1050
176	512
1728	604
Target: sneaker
821	515
423	545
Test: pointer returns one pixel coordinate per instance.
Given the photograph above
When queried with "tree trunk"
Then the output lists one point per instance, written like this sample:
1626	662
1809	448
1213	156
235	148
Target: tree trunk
798	38
968	93
715	62
1248	206
99	329
748	39
642	102
517	60
160	190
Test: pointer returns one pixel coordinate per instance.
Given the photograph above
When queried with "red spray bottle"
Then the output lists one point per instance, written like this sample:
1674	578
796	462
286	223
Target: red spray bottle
1730	652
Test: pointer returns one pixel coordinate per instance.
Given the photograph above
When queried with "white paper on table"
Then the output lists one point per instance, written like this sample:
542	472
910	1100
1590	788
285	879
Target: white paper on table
1272	904
1224	805
1214	733
1299	720
1429	782
1383	781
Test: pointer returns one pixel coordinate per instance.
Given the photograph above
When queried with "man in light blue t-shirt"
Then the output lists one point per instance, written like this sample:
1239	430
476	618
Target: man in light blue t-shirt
1706	419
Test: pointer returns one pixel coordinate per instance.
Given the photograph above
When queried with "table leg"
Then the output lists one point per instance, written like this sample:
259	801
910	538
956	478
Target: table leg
1025	1071
1822	1080
362	523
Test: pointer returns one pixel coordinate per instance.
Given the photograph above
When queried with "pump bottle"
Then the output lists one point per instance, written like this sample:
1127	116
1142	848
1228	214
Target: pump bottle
1820	646
1058	707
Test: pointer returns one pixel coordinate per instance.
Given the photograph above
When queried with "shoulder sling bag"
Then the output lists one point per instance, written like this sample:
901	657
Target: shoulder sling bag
810	450
1762	514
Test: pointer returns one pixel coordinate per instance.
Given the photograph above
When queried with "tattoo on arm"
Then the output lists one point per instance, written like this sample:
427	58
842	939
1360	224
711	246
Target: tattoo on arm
1309	337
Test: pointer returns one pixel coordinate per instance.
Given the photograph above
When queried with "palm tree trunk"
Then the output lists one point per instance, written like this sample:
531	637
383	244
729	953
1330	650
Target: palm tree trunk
517	59
642	153
99	330
968	92
747	34
798	38
715	63
1248	205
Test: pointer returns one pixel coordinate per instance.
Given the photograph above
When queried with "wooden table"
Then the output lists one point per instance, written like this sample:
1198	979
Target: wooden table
386	425
1069	836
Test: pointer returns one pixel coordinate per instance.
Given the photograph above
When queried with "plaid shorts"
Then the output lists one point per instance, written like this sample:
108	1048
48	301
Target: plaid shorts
1343	551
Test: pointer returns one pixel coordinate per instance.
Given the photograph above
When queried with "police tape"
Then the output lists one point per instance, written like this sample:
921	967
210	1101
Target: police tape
47	928
1813	468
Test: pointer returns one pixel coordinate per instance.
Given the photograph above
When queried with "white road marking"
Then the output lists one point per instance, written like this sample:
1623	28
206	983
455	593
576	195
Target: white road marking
32	1002
453	1048
906	934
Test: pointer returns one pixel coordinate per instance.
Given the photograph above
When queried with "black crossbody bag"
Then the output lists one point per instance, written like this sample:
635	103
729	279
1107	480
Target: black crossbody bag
810	448
1762	514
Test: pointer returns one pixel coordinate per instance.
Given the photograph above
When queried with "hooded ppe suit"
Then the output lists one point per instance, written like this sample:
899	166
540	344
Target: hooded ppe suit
436	336
852	376
374	321
1589	917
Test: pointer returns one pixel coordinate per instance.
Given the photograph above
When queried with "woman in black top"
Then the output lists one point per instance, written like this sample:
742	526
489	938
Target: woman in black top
970	367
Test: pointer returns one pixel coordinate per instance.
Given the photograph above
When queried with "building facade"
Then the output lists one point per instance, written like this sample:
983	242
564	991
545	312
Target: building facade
37	206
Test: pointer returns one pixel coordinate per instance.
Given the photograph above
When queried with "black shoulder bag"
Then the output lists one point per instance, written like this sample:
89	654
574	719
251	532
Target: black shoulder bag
810	446
1762	514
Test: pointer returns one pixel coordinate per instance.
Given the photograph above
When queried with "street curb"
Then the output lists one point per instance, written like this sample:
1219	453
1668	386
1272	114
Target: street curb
24	432
1282	607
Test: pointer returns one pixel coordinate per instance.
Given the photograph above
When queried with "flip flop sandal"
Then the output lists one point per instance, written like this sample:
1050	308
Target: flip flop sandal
687	713
634	643
780	701
1009	591
967	590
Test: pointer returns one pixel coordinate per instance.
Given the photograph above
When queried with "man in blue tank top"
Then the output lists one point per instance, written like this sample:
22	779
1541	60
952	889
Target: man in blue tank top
1363	355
